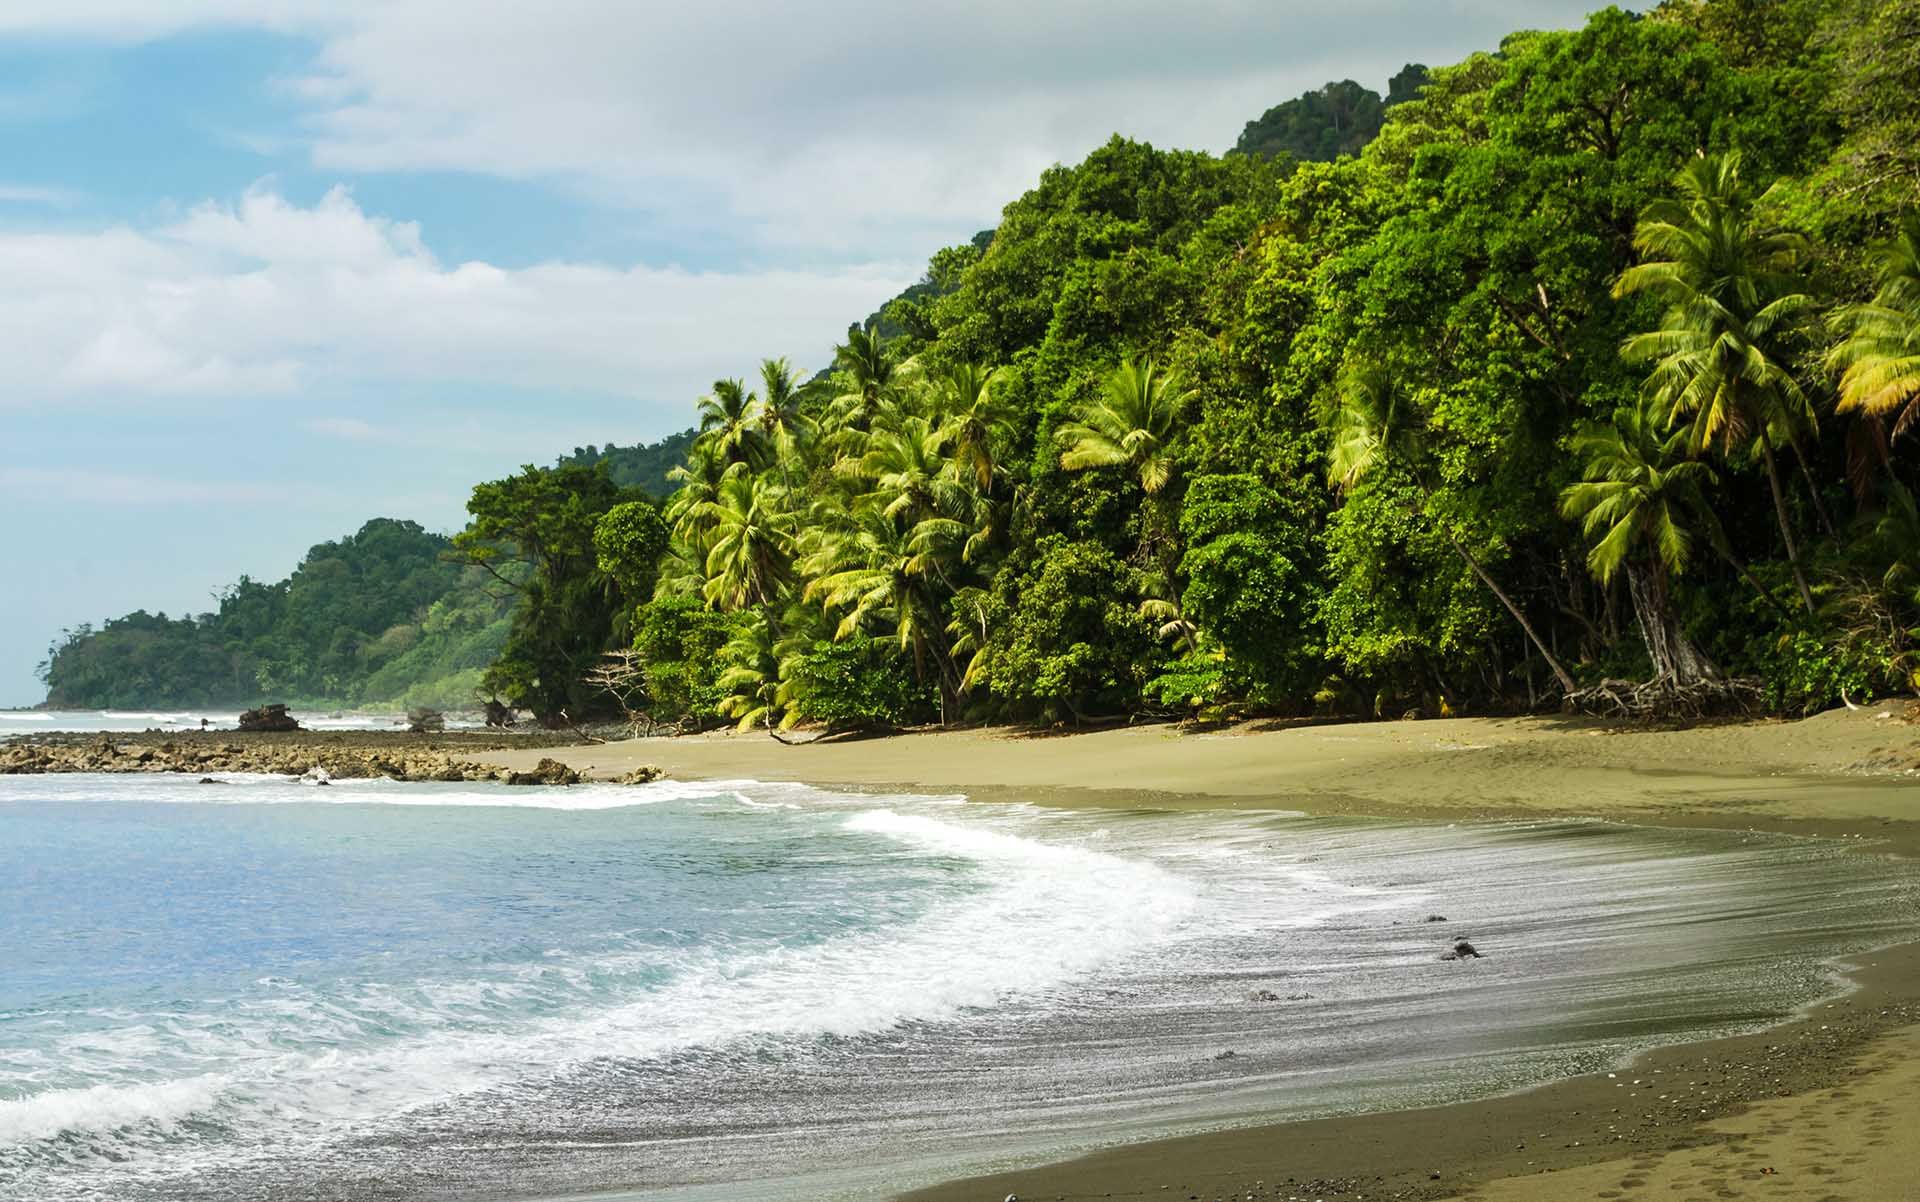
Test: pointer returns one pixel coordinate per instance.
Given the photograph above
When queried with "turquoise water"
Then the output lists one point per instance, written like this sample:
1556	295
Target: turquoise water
261	989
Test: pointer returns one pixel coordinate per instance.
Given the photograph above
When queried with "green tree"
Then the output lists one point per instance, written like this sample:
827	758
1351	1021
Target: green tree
749	560
1131	424
1373	425
1640	489
1878	357
1732	294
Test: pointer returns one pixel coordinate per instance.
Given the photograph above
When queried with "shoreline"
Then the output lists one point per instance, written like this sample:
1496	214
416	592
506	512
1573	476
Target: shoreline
1804	1108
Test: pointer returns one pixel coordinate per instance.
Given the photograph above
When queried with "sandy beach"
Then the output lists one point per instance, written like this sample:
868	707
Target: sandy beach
1813	1109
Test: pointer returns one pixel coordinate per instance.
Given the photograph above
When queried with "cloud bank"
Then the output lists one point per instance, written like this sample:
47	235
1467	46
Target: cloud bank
265	297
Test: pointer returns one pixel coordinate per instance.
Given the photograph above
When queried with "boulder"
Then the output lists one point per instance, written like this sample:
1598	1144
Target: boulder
643	775
498	714
424	721
546	772
269	719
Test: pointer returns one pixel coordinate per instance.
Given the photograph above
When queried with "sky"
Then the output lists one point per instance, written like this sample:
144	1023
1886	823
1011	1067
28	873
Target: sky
269	268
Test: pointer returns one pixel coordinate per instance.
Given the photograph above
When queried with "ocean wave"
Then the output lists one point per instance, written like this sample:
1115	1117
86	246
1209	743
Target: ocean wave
1023	916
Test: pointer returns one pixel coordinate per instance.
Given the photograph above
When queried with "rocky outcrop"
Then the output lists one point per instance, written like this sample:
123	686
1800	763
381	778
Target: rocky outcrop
424	721
546	772
315	755
268	719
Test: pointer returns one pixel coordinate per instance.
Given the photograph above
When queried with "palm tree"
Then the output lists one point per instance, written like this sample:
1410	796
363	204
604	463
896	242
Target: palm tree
1731	295
754	678
1373	424
781	424
876	570
971	417
1879	359
906	475
750	555
699	481
870	366
1639	487
727	423
1130	424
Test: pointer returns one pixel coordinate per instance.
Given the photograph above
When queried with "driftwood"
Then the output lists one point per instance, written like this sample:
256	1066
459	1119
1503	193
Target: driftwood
1663	697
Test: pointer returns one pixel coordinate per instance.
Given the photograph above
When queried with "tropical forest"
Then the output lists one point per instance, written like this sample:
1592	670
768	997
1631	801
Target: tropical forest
1583	373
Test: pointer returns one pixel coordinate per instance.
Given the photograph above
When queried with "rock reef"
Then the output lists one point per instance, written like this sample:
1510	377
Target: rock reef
338	756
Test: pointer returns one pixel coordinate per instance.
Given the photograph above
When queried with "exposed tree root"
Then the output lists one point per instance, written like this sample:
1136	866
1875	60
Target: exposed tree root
1663	697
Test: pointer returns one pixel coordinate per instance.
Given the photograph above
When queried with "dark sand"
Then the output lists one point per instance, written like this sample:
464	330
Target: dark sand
1825	1107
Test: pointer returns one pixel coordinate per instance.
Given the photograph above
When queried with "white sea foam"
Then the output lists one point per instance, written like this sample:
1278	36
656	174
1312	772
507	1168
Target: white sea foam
1029	916
105	1108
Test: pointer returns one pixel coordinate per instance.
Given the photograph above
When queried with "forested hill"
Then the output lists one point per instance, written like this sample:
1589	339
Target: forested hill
643	466
1338	119
378	616
1589	380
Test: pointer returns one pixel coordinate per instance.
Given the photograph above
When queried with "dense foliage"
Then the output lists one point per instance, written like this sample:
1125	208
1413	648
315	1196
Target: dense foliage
1592	359
1584	359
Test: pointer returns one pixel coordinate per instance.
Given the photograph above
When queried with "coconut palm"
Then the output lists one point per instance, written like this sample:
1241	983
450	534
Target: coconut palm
1718	363
754	677
699	482
1879	358
971	418
1639	492
781	425
1131	424
727	422
750	549
875	570
870	367
905	474
1373	423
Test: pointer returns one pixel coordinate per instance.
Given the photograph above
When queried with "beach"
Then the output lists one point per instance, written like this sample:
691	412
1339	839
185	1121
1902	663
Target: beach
1810	1109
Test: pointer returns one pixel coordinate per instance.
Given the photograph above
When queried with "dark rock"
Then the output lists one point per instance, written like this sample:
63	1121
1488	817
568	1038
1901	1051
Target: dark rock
546	772
498	714
1462	951
1228	1056
208	780
1263	995
1436	918
269	718
424	721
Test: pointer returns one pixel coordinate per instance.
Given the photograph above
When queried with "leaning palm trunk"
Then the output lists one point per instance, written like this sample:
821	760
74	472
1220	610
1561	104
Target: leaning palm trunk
1675	657
1559	671
1780	514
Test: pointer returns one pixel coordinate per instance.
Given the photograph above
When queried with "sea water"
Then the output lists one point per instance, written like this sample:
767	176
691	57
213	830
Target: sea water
261	989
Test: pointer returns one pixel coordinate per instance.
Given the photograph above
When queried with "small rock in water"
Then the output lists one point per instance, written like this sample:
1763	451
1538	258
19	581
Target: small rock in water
1465	951
1436	918
208	780
1263	995
1228	1056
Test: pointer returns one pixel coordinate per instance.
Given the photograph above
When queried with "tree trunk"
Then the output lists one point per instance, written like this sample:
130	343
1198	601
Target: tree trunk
1813	490
1566	679
1780	513
1675	658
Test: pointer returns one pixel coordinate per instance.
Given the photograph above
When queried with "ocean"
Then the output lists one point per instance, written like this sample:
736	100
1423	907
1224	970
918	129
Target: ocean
259	989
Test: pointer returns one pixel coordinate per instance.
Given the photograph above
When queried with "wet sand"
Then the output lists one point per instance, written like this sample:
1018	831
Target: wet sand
1820	1108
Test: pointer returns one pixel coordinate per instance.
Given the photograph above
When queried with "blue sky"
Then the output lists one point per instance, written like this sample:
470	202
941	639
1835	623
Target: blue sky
271	267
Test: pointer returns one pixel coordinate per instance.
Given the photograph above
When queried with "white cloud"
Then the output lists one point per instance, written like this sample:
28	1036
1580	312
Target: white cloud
847	124
265	296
